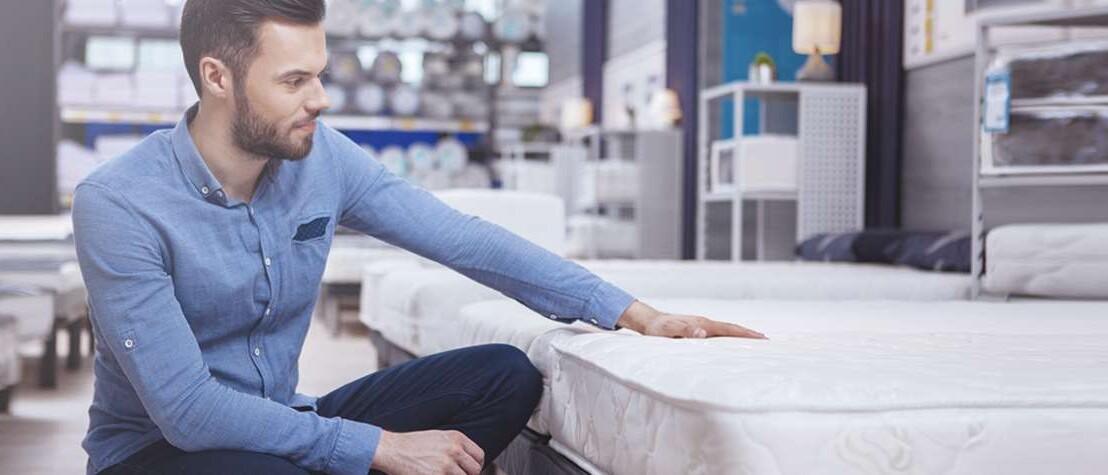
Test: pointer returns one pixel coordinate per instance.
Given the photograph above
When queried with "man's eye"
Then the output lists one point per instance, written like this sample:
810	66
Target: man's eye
295	82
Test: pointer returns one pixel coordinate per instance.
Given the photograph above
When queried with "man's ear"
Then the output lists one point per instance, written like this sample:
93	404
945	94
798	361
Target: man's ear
215	77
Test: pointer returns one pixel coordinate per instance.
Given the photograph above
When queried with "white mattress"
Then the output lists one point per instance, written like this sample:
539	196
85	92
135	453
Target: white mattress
842	387
36	228
1066	261
419	307
350	254
34	319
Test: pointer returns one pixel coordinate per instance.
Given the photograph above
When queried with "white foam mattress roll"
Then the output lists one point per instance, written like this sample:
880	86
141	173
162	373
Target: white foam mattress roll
1048	260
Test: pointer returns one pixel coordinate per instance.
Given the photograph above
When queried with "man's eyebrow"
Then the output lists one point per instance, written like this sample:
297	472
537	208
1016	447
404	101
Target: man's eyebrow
293	73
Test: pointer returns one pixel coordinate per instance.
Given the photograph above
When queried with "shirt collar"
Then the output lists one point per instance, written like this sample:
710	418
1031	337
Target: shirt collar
197	172
188	158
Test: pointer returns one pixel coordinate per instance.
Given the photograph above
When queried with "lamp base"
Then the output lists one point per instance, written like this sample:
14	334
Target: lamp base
815	70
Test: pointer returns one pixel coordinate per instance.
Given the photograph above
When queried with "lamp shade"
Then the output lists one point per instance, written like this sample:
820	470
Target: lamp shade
576	113
665	107
817	26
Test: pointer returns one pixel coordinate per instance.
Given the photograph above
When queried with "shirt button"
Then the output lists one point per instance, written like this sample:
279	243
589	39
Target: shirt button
204	190
268	311
128	343
268	262
257	352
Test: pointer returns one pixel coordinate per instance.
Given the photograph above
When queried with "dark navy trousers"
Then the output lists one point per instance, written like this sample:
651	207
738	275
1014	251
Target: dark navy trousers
486	392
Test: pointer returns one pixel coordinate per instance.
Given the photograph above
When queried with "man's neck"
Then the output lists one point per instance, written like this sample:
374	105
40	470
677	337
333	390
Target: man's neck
237	171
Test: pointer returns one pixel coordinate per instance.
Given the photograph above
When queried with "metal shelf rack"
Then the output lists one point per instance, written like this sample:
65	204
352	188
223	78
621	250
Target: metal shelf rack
1093	17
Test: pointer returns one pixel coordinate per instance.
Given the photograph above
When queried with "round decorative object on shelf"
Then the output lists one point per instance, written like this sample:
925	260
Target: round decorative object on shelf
473	27
346	68
472	71
437	106
452	155
404	101
451	82
408	24
374	21
470	105
342	17
435	65
532	7
387	68
442	23
436	69
338	96
421	157
514	26
395	159
370	99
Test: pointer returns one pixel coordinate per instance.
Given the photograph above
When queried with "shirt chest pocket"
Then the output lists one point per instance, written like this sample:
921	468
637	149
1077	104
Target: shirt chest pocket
314	228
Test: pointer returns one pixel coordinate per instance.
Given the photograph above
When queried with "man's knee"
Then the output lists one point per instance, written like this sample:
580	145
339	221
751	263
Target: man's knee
513	371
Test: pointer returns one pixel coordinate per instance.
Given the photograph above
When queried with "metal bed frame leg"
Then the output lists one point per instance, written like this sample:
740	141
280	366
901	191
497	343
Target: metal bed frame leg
91	335
48	366
6	399
73	358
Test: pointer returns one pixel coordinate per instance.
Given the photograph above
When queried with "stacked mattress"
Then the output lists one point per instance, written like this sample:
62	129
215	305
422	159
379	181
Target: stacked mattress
38	267
417	309
1048	260
849	387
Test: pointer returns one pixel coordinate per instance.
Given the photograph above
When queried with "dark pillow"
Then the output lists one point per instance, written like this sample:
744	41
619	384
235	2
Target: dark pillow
943	252
828	248
879	246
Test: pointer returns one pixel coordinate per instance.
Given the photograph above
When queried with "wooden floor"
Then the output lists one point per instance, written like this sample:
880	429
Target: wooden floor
43	434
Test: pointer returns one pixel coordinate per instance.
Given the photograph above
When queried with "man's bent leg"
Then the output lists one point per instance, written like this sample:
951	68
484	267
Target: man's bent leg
485	392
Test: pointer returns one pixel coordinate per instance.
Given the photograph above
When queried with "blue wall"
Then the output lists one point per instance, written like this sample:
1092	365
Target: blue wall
750	27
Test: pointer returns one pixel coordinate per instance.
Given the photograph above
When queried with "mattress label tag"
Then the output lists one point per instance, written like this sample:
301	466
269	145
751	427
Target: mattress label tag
998	104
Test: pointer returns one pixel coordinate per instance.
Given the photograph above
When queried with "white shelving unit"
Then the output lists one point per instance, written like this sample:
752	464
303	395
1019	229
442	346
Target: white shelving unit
650	210
987	177
104	115
829	123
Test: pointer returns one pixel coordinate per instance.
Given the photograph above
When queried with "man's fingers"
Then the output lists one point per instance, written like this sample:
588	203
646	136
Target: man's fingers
473	449
468	464
728	329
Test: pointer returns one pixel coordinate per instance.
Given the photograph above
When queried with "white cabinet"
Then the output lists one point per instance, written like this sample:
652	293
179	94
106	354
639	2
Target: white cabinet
811	155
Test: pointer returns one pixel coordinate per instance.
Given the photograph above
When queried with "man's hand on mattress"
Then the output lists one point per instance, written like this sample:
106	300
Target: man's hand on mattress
648	321
428	452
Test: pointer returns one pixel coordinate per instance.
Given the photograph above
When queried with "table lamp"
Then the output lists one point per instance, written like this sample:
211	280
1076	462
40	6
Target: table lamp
817	29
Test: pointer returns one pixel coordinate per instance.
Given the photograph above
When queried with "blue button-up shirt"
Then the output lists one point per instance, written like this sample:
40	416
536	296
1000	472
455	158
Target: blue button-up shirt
201	303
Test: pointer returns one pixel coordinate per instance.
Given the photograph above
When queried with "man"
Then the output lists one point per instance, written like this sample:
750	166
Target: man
203	247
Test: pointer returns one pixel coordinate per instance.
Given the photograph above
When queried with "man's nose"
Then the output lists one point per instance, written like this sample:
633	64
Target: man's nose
320	102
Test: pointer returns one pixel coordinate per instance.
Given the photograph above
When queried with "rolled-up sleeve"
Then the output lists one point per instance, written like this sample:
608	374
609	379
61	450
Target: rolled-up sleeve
383	205
136	313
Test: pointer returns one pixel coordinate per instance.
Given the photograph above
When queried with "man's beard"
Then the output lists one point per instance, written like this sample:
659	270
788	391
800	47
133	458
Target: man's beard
263	139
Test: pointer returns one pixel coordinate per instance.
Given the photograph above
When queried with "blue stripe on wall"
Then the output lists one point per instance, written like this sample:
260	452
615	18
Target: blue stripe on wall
751	27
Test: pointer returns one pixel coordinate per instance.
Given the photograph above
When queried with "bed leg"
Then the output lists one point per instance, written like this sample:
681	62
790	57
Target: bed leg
91	336
73	358
48	366
6	399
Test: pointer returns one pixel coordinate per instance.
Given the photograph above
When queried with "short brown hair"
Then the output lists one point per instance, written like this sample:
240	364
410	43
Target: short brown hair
228	29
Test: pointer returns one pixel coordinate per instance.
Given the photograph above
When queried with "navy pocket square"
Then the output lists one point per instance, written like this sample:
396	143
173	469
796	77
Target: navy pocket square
312	229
